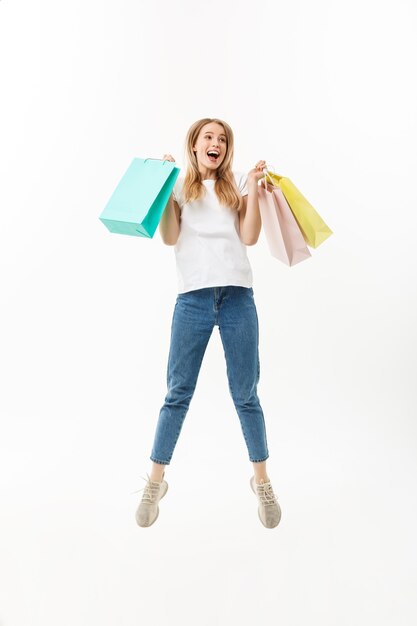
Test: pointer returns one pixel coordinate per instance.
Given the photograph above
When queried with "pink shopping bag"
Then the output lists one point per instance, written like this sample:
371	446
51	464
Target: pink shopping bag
284	237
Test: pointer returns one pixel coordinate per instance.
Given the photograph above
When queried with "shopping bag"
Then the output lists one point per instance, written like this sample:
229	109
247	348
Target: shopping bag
313	227
284	237
138	202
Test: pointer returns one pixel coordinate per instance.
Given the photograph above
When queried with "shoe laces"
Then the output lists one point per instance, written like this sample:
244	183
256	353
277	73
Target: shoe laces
150	490
266	494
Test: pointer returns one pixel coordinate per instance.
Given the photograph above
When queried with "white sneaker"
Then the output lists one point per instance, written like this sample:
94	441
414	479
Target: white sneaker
269	510
148	509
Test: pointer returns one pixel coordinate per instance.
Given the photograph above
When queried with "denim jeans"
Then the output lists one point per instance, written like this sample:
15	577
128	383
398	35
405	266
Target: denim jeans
233	310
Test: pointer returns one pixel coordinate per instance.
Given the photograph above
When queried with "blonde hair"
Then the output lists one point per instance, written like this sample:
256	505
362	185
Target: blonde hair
225	185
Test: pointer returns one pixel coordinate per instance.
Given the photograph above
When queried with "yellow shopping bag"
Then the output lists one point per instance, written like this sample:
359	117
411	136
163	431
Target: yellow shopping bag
313	227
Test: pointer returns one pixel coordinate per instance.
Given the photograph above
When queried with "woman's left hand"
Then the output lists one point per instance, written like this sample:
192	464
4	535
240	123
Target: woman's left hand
257	173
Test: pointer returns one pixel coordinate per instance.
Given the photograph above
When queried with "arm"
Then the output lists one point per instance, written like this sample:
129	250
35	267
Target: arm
250	222
169	225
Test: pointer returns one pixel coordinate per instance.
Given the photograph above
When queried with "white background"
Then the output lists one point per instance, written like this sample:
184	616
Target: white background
324	92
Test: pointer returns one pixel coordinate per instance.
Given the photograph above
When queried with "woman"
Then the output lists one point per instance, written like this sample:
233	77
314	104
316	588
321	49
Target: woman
211	216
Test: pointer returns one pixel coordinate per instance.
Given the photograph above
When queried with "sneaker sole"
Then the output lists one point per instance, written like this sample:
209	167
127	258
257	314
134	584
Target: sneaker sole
157	509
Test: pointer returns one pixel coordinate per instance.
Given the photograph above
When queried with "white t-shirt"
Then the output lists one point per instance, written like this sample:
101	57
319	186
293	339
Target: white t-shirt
209	252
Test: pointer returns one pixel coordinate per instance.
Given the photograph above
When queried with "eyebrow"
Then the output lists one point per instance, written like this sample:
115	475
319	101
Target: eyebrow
209	132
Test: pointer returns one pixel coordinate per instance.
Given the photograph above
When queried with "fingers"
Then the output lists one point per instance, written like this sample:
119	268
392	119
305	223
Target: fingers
168	157
260	165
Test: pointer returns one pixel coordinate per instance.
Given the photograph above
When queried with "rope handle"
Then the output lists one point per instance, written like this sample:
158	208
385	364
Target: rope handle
267	175
153	159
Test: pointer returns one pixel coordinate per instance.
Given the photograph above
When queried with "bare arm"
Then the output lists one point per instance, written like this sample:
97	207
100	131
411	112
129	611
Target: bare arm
250	218
250	222
169	226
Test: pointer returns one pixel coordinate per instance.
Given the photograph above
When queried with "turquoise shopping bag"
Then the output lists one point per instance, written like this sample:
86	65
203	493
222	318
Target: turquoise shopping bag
140	198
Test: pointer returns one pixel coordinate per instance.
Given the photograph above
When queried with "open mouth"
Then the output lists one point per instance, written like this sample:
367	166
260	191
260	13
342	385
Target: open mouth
213	155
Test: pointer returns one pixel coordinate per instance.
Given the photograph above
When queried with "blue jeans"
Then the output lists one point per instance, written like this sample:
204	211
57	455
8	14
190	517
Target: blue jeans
196	312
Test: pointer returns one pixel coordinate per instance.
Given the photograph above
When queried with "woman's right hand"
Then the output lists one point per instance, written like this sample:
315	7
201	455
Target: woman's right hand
168	157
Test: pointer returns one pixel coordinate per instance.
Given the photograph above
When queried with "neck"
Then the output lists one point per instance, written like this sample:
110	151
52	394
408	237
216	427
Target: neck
207	174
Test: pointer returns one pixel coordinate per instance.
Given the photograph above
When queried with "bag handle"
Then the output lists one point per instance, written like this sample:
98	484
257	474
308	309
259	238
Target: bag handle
152	159
265	180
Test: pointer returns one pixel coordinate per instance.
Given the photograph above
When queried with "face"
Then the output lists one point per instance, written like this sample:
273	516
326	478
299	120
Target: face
210	147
